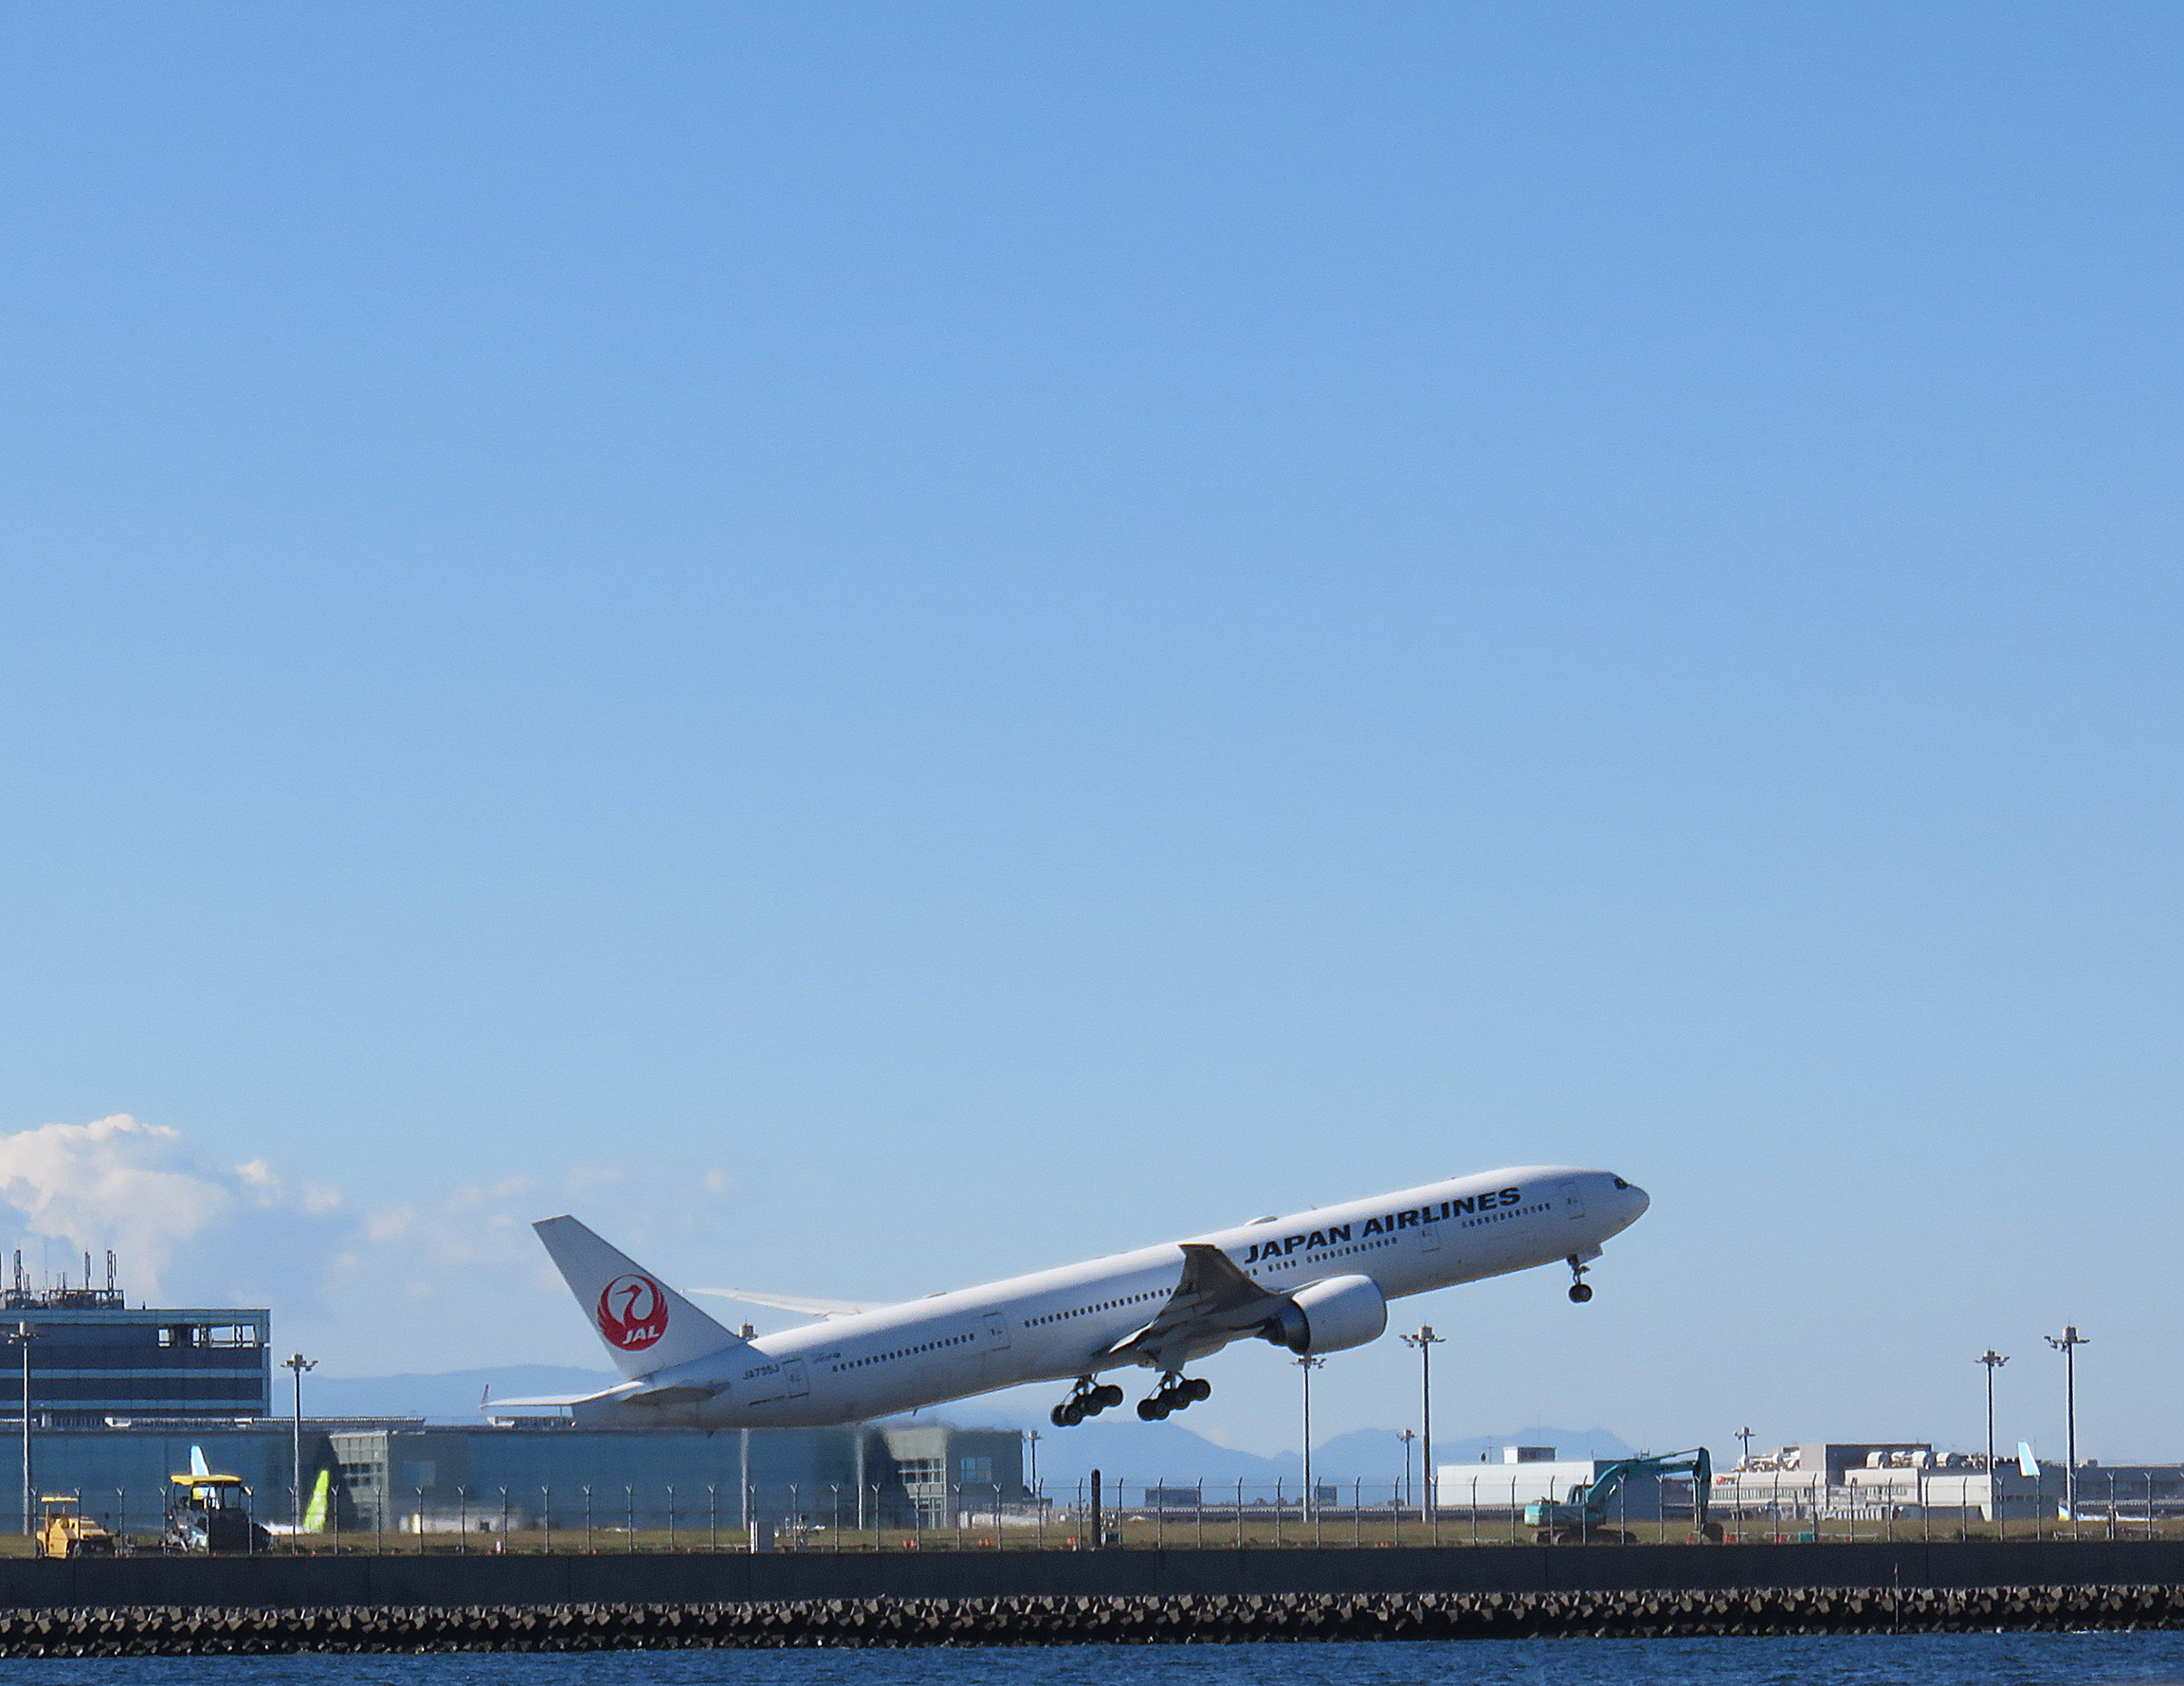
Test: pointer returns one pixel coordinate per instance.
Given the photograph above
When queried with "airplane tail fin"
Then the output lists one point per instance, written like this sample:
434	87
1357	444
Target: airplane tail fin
645	1325
198	1465
321	1496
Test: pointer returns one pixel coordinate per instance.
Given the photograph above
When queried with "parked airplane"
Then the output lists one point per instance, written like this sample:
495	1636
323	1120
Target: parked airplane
1315	1282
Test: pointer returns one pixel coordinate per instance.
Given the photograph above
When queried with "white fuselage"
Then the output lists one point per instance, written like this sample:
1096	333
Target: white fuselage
1059	1324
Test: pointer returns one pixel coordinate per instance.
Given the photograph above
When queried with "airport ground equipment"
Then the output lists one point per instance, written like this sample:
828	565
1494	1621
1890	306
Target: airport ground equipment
64	1530
1581	1517
209	1512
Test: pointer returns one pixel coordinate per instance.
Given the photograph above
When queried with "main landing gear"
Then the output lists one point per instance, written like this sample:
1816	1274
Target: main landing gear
1088	1399
1580	1290
1176	1393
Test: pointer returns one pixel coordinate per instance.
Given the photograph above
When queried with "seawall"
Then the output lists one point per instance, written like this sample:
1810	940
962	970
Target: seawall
703	1579
1184	1618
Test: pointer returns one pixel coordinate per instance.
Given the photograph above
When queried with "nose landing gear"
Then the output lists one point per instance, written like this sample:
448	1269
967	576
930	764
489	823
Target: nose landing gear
1176	1393
1087	1399
1580	1290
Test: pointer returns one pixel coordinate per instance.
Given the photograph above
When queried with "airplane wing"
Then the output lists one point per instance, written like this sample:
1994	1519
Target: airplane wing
1213	1304
789	1302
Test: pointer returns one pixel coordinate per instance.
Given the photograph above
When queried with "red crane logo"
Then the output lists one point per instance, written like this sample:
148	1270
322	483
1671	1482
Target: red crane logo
632	1311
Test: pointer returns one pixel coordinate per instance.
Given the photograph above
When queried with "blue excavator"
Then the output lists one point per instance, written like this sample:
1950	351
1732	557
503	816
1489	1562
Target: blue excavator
1580	1516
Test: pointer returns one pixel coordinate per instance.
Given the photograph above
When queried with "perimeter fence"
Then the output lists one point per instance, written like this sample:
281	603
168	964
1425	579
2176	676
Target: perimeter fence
1101	1511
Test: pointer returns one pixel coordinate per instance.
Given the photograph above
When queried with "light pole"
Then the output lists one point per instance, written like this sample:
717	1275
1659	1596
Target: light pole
1993	1361
1406	1436
2067	1344
1745	1438
1425	1341
297	1364
23	1336
1308	1363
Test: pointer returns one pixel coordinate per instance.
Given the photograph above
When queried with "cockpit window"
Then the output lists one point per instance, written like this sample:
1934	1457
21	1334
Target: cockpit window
1621	1184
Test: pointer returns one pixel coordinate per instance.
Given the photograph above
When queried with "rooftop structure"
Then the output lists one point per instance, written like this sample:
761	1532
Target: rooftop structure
93	1356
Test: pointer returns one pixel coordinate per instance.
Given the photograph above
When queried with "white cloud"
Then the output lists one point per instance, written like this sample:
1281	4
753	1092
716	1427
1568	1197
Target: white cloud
449	1278
140	1189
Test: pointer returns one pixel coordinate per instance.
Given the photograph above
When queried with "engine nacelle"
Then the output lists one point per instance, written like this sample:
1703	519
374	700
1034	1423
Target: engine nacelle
1330	1316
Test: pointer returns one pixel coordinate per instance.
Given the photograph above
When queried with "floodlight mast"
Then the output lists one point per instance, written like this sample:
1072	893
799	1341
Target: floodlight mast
1425	1341
1993	1361
1308	1363
297	1364
25	1333
2067	1344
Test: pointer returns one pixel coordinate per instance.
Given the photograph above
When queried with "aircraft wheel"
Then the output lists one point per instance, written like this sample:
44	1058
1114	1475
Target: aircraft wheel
1580	1292
1068	1414
1151	1411
1197	1388
1107	1396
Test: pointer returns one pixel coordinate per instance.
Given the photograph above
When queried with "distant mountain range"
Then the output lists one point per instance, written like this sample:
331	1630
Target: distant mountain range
1126	1449
1122	1448
452	1396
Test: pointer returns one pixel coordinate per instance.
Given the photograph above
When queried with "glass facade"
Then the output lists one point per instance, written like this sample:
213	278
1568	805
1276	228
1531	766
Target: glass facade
92	1357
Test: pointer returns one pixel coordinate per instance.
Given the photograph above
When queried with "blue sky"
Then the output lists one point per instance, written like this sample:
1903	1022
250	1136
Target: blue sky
883	644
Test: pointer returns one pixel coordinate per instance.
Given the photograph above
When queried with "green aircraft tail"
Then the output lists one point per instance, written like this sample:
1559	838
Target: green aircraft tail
321	1496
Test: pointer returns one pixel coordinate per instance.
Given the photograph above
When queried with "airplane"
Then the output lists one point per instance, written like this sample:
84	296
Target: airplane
315	1509
1313	1281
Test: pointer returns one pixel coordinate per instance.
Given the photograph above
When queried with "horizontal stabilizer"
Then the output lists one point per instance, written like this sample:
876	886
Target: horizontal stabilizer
678	1395
628	1393
790	1302
542	1400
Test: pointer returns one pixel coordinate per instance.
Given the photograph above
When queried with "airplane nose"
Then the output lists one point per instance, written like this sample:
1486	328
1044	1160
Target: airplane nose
1639	1198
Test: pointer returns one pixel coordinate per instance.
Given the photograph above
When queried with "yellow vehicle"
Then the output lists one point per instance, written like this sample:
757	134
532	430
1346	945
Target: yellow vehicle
64	1530
209	1512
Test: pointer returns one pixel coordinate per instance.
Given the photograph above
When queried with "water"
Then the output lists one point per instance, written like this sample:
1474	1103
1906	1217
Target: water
1909	1660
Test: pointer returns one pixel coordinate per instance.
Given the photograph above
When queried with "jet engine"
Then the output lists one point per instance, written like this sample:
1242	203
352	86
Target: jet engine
1330	1316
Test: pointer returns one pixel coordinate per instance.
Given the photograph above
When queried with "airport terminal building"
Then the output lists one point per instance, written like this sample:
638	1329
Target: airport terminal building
395	1476
401	1478
94	1358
